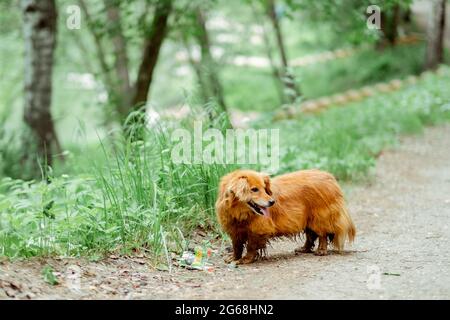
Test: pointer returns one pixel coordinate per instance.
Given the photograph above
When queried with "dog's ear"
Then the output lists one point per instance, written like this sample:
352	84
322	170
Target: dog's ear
267	184
239	187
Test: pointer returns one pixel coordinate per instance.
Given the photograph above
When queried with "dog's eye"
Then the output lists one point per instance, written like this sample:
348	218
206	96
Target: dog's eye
254	189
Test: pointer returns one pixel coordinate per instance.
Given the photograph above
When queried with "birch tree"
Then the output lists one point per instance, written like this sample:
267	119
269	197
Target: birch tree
39	29
435	35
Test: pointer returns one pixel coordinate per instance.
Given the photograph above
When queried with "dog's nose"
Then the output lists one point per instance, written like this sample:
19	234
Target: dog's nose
271	203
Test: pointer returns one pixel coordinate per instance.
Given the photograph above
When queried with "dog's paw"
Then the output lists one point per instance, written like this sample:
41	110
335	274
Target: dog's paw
229	259
302	250
233	264
246	260
321	252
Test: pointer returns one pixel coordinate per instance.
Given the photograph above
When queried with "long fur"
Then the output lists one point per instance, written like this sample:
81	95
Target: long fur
309	201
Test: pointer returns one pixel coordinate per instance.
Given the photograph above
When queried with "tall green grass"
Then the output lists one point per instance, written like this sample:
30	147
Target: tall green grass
135	198
154	200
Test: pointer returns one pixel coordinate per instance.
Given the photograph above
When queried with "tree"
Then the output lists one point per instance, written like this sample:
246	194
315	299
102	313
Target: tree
39	29
435	35
208	65
128	96
285	81
287	77
390	18
122	98
193	31
269	53
104	68
152	44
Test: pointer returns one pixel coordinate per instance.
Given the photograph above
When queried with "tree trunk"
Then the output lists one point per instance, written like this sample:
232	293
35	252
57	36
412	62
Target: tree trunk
288	78
392	31
268	48
40	20
198	71
108	81
121	59
152	46
208	65
435	35
389	27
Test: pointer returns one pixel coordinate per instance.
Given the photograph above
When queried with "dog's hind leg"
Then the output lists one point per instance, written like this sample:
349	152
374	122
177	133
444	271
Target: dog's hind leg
323	243
311	237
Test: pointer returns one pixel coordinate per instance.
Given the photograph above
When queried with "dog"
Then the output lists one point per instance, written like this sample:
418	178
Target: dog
253	209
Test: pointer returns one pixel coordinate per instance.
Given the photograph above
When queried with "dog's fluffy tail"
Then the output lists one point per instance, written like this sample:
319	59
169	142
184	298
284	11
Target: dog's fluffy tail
345	229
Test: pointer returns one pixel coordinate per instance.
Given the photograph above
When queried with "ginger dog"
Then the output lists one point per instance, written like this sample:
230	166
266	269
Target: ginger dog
252	209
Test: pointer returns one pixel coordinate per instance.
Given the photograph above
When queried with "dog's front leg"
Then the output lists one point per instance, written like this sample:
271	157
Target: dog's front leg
253	245
322	249
238	248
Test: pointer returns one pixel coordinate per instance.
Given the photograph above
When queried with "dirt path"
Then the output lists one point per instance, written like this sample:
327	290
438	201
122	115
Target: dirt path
401	250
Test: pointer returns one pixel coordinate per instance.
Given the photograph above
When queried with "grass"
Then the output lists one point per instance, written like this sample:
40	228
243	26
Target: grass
254	90
135	198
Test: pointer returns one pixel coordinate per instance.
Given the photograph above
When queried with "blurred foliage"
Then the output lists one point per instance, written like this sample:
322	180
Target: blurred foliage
348	17
347	140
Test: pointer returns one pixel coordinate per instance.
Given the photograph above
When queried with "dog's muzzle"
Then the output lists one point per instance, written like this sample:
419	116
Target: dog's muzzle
261	210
